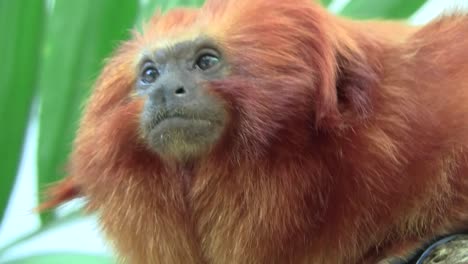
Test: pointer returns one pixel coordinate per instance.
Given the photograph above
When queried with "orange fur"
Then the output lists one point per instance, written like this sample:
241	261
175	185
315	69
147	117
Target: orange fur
346	141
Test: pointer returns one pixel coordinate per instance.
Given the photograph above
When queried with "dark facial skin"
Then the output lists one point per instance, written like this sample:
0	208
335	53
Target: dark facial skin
180	119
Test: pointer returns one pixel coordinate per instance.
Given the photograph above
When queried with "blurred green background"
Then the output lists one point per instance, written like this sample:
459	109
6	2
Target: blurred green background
52	52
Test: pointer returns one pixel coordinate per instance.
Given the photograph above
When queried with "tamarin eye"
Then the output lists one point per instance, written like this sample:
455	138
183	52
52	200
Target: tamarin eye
149	75
206	61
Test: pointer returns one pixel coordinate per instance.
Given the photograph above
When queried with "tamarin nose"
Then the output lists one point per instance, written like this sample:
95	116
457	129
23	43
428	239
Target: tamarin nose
170	91
175	92
174	87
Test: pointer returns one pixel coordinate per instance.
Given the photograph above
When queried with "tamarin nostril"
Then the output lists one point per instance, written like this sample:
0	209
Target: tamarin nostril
180	91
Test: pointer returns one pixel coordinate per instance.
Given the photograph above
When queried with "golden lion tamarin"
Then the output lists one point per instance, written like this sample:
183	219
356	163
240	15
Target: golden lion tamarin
259	131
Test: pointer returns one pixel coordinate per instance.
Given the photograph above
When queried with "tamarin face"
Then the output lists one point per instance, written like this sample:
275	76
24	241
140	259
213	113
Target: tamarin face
180	118
222	76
